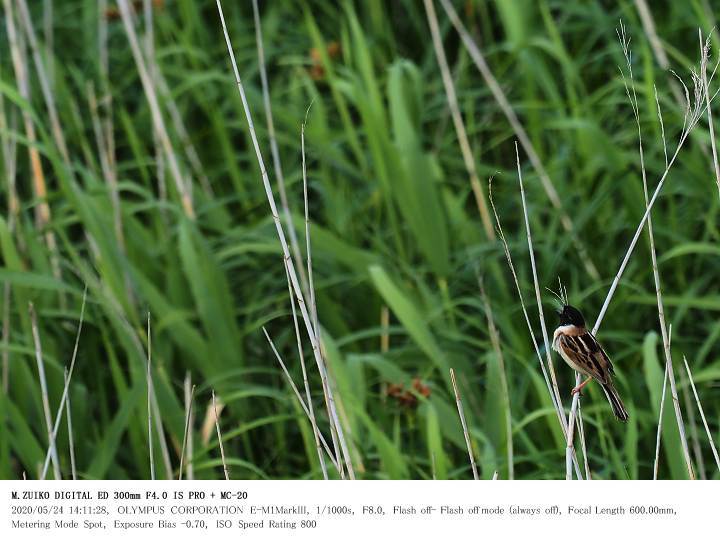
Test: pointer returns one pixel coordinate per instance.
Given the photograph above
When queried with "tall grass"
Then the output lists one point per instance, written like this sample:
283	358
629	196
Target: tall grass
393	225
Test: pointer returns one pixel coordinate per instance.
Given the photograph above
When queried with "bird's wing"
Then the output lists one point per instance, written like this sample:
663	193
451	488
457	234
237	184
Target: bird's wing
586	353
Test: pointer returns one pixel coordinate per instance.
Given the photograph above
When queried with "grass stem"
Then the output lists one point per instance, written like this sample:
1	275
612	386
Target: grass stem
461	413
44	393
458	122
219	436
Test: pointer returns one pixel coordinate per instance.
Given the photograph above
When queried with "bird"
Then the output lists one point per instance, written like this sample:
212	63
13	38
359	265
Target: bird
580	350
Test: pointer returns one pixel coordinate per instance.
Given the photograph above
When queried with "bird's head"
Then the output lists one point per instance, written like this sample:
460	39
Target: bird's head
569	315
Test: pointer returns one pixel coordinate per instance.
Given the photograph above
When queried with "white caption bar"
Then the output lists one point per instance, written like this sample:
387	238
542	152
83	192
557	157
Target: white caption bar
423	510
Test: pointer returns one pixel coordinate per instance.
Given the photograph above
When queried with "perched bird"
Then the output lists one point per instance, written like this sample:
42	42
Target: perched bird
577	346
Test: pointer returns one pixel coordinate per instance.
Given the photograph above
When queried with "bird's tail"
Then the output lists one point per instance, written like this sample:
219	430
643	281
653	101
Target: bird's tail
615	402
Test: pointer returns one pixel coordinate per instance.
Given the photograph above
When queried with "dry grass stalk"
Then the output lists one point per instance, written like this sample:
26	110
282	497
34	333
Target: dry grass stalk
384	326
155	416
190	423
44	392
656	463
308	246
495	342
458	122
149	399
66	394
570	454
219	436
693	112
314	340
71	440
274	150
632	97
458	402
106	99
186	432
556	404
703	75
536	282
702	414
311	410
42	210
583	447
164	449
693	427
182	133
49	37
334	458
45	86
521	134
208	424
183	187
149	43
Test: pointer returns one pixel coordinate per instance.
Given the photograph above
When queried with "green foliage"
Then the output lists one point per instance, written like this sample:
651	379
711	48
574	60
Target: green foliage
394	224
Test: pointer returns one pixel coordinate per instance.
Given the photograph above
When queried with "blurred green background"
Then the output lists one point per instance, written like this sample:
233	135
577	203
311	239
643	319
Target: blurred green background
395	230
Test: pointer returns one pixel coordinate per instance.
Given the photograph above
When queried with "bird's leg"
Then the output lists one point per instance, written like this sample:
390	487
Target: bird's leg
577	389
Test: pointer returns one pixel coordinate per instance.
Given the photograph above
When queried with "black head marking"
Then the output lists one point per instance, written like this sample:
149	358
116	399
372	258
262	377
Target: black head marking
569	315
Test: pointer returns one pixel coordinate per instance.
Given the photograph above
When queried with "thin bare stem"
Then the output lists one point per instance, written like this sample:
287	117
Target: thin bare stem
703	74
536	283
327	392
384	325
569	450
164	449
521	134
182	133
458	402
557	406
219	436
632	96
190	423
186	431
45	85
149	401
65	394
42	209
702	414
44	393
337	464
694	434
274	150
286	252
308	246
71	440
656	463
583	447
313	422
641	225
662	125
458	122
152	67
